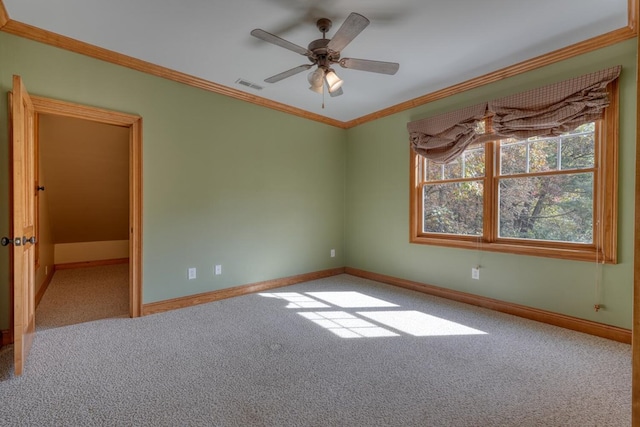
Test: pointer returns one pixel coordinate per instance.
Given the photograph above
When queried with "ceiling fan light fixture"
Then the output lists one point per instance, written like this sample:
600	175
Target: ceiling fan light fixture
315	77
333	81
316	89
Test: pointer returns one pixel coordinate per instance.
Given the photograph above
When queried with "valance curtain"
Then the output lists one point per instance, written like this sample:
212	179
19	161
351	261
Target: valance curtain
444	137
546	111
554	109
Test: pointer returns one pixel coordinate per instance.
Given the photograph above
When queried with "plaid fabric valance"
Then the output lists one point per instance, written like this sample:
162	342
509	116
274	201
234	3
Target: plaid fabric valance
444	137
546	111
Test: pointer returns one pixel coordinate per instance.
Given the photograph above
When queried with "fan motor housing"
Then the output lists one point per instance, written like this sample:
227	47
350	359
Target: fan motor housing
319	49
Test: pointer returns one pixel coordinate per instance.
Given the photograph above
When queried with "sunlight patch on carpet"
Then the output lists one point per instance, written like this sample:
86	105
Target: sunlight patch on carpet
419	324
351	299
296	300
346	325
367	324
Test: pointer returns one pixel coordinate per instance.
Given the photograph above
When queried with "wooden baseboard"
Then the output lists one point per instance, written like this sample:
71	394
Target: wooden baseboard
97	263
44	286
191	300
586	326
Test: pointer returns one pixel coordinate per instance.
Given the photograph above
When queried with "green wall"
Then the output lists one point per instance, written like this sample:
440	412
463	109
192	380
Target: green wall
224	182
377	222
267	195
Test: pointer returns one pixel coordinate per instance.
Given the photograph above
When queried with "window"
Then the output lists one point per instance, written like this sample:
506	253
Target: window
546	196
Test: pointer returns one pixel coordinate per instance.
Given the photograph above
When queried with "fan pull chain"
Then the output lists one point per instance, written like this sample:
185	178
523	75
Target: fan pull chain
323	96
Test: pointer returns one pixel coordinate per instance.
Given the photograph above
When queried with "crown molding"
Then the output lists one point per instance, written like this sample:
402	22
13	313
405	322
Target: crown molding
580	48
47	37
43	36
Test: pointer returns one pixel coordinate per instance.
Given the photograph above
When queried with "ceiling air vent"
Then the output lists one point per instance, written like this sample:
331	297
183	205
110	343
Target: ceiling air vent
247	83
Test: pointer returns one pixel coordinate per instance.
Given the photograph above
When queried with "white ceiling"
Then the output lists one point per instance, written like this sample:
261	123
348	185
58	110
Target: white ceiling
438	43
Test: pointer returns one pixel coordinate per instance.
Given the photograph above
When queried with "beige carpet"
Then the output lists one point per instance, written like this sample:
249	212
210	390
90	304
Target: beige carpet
84	295
335	352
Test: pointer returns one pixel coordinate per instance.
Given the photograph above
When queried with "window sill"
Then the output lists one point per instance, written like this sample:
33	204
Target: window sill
561	251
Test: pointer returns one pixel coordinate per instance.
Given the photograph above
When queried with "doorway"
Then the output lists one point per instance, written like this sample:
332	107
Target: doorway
132	126
82	220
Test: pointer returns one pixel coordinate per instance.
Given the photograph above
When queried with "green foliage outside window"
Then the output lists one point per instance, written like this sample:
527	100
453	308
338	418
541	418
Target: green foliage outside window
545	190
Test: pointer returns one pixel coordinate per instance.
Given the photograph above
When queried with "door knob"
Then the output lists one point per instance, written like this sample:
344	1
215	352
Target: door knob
5	241
31	240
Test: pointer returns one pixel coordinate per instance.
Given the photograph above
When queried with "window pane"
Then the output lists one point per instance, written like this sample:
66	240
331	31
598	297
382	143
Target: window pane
543	155
453	170
453	208
557	207
434	171
578	151
513	157
469	165
573	150
474	162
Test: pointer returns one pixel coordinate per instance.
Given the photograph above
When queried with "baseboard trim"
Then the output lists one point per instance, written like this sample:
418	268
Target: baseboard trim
586	326
5	337
191	300
97	263
44	286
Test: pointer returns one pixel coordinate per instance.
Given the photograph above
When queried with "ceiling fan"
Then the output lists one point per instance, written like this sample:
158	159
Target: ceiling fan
326	52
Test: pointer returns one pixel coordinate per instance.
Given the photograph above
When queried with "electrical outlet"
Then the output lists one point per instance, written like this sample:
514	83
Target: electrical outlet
191	273
333	253
218	270
475	273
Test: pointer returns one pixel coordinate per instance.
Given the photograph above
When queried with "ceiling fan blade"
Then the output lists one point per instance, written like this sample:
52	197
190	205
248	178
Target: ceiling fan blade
336	93
351	27
288	73
272	38
368	65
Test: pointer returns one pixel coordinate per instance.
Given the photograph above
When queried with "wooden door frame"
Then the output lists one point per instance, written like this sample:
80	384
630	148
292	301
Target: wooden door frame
134	123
